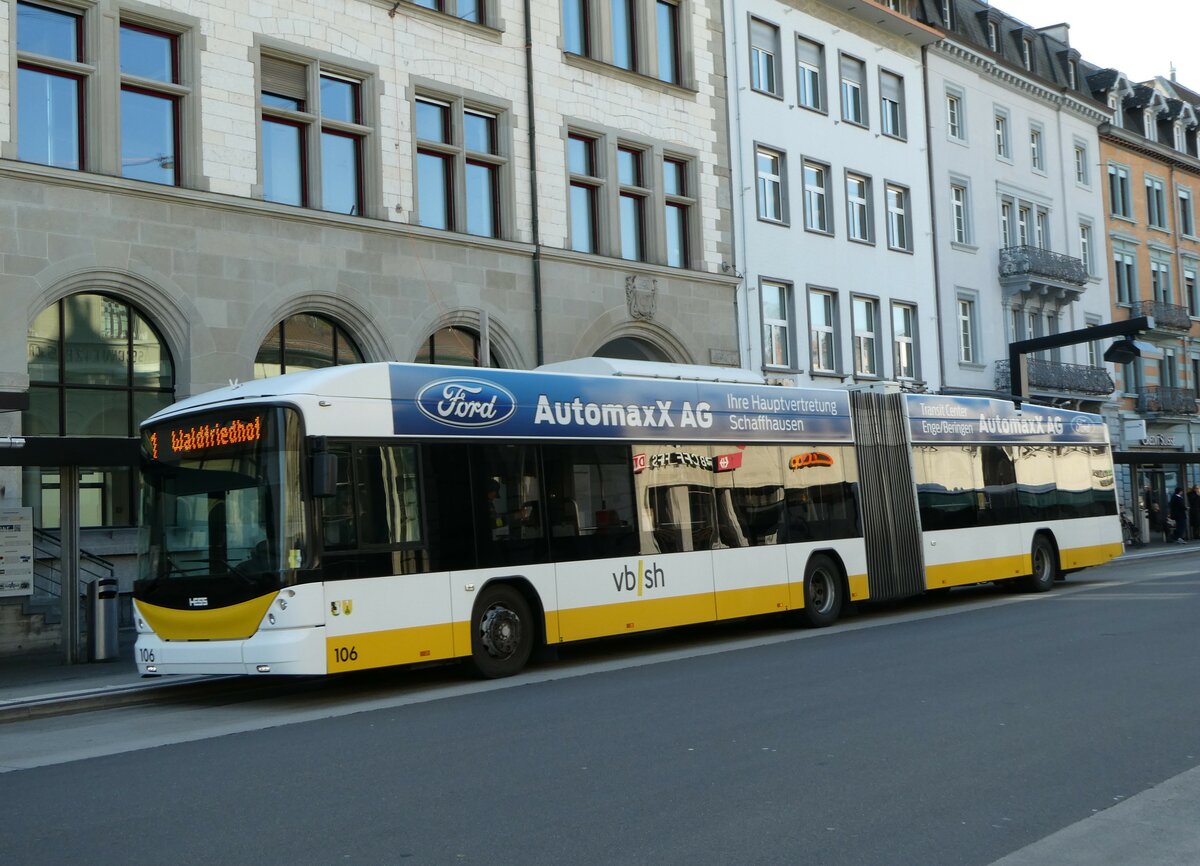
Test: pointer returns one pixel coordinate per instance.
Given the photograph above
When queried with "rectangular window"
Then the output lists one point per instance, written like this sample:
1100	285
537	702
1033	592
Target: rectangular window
960	213
854	78
1027	53
1160	282
866	336
1037	158
667	32
966	330
822	318
1081	166
993	36
1120	198
1156	203
483	165
904	341
576	24
150	98
1187	217
1125	273
1190	288
1085	248
769	166
898	218
624	34
1001	130
51	79
632	195
460	163
858	208
325	127
1041	223
777	329
764	57
679	205
955	122
810	68
585	186
816	196
1006	223
1023	226
891	104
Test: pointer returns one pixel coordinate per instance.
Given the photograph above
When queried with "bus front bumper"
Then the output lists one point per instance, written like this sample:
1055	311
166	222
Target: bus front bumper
297	651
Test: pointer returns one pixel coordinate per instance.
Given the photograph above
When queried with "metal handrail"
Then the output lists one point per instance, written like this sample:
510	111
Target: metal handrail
1027	259
1059	376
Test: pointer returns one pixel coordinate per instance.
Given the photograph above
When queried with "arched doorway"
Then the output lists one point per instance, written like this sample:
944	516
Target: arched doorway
97	368
305	341
631	349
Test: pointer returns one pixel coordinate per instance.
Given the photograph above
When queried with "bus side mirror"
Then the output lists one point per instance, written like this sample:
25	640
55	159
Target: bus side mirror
324	474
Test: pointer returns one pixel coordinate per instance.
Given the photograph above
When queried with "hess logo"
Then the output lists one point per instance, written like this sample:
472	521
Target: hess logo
466	402
646	577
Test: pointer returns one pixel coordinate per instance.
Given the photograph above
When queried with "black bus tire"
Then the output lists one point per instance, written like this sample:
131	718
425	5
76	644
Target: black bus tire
1045	569
502	632
823	592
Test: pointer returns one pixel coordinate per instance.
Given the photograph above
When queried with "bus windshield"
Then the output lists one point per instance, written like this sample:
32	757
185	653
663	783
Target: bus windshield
221	506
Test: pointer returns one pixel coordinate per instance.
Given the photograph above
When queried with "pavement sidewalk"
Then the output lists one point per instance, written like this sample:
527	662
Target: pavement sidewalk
39	684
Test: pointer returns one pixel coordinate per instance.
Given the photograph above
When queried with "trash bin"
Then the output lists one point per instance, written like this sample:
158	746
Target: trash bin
102	616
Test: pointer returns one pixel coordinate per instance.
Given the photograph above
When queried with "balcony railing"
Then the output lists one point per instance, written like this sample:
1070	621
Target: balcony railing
1037	262
1165	315
1169	401
1057	376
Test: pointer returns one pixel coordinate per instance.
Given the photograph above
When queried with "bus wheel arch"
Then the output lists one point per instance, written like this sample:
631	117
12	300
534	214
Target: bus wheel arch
826	590
1044	562
505	627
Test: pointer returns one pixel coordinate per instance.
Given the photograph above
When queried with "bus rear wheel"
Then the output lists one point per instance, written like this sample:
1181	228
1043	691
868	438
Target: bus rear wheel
502	632
1045	568
823	594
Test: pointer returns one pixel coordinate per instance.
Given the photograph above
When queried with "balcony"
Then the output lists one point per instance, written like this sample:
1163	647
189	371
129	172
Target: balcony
1171	316
1167	401
1060	377
1032	270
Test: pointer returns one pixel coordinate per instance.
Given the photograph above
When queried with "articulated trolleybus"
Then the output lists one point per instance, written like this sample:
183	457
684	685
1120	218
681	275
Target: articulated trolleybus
390	514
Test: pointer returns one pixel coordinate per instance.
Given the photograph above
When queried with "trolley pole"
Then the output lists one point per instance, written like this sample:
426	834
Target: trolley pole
1121	352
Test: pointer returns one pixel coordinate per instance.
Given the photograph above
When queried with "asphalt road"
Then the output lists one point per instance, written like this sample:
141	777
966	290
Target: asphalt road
952	732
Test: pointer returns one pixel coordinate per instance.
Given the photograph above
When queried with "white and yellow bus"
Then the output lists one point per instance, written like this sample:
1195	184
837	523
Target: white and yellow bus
389	514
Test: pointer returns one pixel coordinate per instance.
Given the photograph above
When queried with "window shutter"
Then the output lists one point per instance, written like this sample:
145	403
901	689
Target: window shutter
892	87
762	35
852	69
808	52
283	78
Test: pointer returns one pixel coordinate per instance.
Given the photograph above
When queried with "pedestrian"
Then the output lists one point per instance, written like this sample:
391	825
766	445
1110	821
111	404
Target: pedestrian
1194	510
1179	515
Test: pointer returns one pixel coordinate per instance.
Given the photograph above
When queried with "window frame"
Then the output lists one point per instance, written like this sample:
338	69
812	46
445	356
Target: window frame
1125	273
1156	203
847	85
1002	134
865	205
911	340
967	317
819	91
1083	175
889	108
765	59
823	335
1185	211
1037	148
818	196
866	341
898	218
761	185
956	119
777	326
961	223
1120	180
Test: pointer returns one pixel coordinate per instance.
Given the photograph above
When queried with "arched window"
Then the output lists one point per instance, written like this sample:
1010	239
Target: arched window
454	345
97	367
304	341
631	349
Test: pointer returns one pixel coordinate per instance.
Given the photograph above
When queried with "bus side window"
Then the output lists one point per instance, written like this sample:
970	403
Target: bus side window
589	501
337	512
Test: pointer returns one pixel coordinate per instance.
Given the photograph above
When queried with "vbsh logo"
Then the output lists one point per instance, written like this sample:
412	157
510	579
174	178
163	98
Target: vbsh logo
646	577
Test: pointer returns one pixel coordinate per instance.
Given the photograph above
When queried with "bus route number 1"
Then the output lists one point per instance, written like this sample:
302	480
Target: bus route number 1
345	654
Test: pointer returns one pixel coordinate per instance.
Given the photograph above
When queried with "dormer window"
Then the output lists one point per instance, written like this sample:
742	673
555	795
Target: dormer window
1072	73
1148	124
1180	141
948	14
1027	53
900	6
993	36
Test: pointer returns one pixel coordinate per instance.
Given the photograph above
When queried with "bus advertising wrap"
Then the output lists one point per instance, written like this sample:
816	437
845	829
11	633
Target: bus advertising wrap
940	419
516	404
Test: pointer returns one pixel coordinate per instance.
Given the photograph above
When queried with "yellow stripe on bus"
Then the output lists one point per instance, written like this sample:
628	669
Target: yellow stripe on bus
396	646
235	622
1001	567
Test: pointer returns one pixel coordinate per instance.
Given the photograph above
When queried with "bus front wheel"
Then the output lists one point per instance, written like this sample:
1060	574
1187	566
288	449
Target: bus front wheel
1045	568
823	595
502	632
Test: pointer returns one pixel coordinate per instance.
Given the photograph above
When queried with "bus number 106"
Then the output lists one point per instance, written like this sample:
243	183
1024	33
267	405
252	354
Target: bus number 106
345	654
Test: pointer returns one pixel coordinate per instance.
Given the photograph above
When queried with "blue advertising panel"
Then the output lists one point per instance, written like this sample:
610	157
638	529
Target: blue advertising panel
934	418
515	404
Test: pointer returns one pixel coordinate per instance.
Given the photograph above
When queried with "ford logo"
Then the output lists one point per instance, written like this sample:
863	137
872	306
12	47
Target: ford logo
466	402
1081	425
